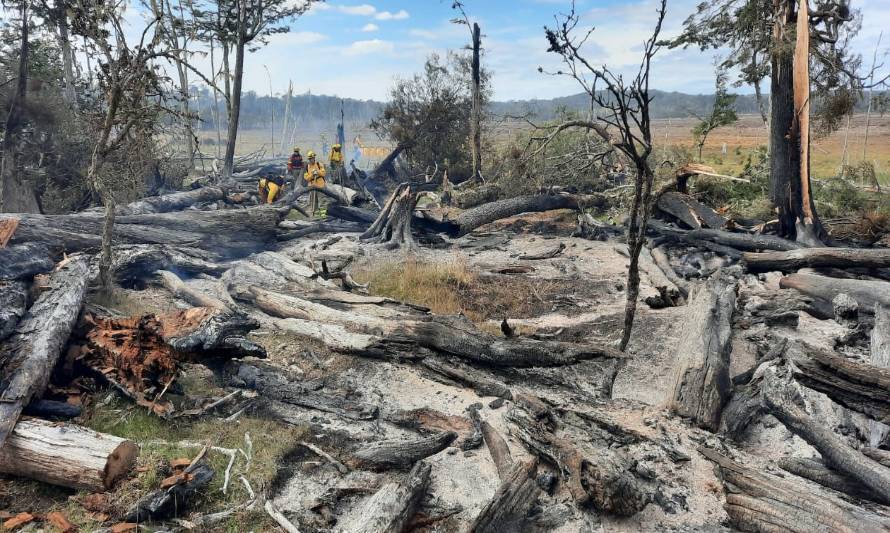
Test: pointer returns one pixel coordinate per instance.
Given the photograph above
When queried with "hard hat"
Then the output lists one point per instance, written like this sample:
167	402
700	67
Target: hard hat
337	146
310	154
296	148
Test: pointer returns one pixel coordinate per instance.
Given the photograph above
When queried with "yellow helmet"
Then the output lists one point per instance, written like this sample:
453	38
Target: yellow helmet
310	154
337	146
296	148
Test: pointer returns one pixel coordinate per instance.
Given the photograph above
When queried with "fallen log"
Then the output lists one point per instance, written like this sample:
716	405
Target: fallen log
275	386
546	254
481	384
690	211
701	372
817	472
392	507
817	257
509	508
500	452
52	409
23	261
221	233
13	305
867	293
177	201
781	400
174	284
322	227
28	358
67	455
134	265
738	241
660	258
762	502
879	356
399	454
476	196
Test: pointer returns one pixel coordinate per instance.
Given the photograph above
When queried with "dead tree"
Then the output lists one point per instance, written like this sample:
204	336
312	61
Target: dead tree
625	113
475	89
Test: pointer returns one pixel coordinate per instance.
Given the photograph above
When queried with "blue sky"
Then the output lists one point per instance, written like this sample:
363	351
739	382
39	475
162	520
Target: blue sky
356	48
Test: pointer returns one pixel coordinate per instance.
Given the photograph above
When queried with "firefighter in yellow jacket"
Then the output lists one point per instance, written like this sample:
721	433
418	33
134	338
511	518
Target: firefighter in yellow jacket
314	176
336	157
269	187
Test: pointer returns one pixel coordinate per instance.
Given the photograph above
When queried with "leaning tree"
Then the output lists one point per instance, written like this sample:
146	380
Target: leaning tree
764	41
622	122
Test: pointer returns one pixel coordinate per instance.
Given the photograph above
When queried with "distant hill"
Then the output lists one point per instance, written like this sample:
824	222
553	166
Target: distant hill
320	112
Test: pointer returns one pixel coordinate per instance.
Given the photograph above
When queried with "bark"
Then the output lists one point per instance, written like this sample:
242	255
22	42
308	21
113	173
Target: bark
701	374
690	211
234	107
38	341
67	455
816	471
476	196
64	41
484	214
454	371
24	261
476	121
400	454
789	98
13	305
392	507
782	401
511	504
277	387
867	293
172	202
817	257
660	258
756	501
879	357
393	226
304	230
500	452
224	234
134	265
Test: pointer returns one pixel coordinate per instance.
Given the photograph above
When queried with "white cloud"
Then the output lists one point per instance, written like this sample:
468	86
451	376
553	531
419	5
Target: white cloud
298	38
365	10
398	15
371	46
370	27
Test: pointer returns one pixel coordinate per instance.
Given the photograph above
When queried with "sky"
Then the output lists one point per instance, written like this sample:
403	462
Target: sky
356	49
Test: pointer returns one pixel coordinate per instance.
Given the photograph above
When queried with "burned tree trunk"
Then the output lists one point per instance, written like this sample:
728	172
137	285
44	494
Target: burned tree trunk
24	261
867	293
701	374
880	357
391	508
67	455
761	502
393	226
172	202
690	211
817	472
817	257
400	454
739	241
509	508
13	305
32	352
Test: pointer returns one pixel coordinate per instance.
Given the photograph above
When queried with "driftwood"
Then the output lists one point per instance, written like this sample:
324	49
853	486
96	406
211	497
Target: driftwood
509	508
762	502
400	454
781	400
690	211
816	471
23	261
701	373
67	455
275	386
31	353
13	305
867	293
817	257
391	508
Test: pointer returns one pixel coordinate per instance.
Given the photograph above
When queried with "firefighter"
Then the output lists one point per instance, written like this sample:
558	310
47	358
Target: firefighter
336	157
314	176
295	164
269	187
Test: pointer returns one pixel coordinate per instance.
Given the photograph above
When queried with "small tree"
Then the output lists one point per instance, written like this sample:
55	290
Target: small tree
722	114
623	124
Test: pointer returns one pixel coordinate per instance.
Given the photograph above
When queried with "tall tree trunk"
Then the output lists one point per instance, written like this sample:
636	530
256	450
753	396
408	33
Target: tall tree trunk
636	236
15	195
67	55
476	121
234	110
215	100
871	93
789	171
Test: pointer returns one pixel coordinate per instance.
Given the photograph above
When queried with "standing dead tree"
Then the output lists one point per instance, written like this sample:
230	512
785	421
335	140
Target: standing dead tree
623	123
475	72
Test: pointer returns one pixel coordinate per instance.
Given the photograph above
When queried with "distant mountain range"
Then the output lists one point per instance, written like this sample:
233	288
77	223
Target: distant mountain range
321	112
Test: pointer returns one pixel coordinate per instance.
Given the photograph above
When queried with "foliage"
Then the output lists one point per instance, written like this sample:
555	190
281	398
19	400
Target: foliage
429	113
722	114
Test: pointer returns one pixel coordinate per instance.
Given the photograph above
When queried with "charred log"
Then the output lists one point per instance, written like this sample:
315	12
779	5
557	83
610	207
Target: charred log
817	257
172	202
690	211
13	306
134	265
392	507
867	293
24	261
737	241
817	472
31	353
509	508
400	454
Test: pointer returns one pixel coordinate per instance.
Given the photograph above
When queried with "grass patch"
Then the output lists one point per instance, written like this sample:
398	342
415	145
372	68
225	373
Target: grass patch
157	439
